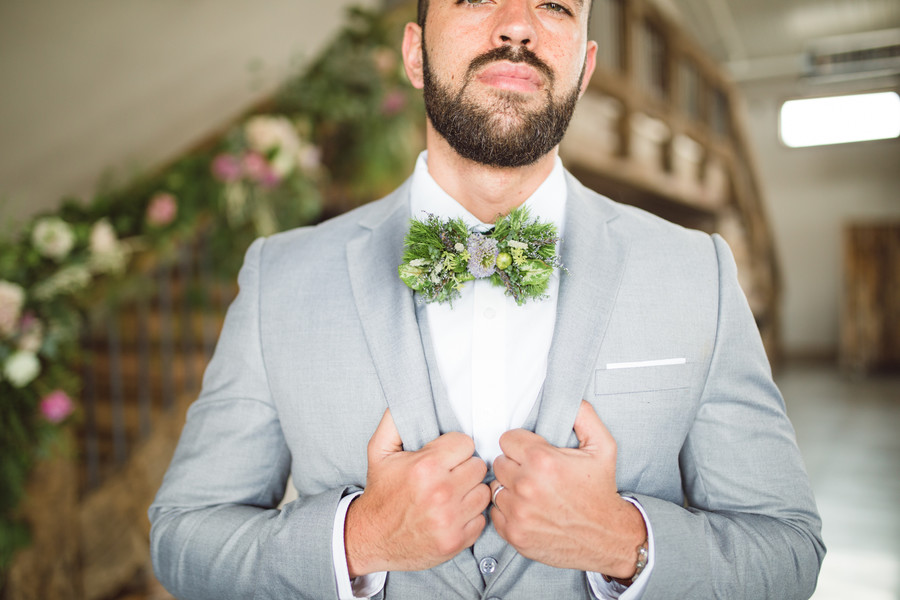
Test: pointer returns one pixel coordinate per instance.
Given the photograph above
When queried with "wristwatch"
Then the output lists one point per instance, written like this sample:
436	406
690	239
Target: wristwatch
642	557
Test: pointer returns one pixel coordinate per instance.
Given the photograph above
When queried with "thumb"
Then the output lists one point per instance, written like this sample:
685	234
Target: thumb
386	439
589	429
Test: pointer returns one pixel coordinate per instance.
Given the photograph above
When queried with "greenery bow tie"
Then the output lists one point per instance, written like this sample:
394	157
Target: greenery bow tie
517	254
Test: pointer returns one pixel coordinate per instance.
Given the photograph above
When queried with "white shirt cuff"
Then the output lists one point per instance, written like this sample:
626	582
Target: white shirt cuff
359	587
613	590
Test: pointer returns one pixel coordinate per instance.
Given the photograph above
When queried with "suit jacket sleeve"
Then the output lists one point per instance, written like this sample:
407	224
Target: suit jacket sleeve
215	530
749	527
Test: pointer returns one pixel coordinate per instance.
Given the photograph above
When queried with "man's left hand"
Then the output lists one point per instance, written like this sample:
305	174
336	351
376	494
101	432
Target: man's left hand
560	506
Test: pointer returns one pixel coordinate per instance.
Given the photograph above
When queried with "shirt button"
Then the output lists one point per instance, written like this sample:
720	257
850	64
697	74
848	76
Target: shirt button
488	565
490	313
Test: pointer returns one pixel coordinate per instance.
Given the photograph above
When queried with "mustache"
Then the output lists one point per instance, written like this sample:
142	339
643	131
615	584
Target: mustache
507	53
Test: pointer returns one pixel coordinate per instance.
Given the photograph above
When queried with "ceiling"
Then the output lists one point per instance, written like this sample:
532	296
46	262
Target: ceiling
767	38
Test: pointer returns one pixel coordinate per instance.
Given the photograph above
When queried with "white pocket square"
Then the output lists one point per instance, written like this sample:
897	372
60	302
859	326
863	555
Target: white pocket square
647	363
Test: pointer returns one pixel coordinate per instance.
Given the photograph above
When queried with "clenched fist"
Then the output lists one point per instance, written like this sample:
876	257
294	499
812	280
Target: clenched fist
560	506
419	508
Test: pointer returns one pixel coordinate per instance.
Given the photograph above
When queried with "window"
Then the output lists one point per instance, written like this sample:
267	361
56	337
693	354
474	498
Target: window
840	119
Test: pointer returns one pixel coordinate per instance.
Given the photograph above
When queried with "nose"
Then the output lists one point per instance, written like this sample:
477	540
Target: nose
515	25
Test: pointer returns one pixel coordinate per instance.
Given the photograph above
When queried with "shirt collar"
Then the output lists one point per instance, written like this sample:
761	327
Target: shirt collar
547	203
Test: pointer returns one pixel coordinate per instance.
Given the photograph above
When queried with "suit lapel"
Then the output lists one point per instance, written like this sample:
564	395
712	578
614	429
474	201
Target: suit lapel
595	257
387	313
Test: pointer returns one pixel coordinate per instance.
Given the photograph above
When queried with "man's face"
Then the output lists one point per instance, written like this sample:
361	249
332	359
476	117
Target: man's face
501	77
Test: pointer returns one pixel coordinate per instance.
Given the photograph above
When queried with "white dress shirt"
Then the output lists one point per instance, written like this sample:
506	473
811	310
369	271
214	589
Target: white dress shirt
491	354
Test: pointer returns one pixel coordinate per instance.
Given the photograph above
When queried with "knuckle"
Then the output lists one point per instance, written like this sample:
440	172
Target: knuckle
481	470
425	468
526	488
460	442
541	459
440	494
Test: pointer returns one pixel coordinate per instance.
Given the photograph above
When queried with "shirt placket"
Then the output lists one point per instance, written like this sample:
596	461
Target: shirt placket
490	413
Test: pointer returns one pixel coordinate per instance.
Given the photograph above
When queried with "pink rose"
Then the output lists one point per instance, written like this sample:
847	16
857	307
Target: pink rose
393	103
257	169
56	406
162	209
227	168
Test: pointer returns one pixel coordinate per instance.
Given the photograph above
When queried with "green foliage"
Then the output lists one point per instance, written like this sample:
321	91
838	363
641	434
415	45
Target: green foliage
519	254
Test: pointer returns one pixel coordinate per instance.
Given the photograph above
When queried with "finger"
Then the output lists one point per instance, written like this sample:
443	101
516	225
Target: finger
496	488
472	530
513	443
499	521
506	470
386	439
470	471
454	448
476	500
589	429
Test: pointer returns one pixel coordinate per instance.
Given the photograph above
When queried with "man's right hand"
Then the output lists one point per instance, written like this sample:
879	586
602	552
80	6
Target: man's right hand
419	508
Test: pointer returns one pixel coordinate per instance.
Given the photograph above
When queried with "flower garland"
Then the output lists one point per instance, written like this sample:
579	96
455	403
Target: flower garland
518	254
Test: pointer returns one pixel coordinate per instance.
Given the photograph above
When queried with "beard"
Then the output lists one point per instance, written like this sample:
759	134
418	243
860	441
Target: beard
504	133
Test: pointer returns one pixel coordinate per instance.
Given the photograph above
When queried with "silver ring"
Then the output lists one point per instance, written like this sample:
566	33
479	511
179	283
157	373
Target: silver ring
496	491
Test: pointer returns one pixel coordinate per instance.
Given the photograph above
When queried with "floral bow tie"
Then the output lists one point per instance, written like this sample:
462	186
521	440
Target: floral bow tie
517	254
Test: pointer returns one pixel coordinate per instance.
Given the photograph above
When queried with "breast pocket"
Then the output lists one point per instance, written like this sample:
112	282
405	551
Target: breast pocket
648	410
639	378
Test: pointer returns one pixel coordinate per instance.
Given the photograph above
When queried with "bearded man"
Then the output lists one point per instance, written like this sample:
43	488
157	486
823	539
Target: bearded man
571	403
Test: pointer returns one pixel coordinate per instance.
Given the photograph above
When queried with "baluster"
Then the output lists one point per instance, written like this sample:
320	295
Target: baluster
210	316
89	399
187	351
117	399
144	382
166	345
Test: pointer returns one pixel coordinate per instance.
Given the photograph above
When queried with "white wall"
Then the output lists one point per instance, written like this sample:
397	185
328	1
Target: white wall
812	193
90	86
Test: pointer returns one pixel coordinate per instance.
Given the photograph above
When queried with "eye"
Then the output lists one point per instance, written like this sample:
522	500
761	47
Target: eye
472	2
557	8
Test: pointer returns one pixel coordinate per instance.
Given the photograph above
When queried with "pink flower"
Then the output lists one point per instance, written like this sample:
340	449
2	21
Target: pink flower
393	103
56	406
162	209
257	169
227	168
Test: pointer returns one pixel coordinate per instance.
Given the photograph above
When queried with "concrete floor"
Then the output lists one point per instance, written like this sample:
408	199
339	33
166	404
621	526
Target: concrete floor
848	430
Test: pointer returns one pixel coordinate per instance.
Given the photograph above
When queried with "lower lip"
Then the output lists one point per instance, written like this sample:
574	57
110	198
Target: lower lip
515	84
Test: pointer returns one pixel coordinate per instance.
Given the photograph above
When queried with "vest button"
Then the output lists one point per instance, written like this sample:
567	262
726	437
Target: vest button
488	565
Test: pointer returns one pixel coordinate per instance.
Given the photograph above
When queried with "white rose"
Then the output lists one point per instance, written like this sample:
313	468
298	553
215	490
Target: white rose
266	134
107	253
53	238
103	237
21	368
12	297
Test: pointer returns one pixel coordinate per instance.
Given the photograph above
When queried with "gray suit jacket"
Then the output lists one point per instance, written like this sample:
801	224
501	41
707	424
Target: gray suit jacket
323	338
